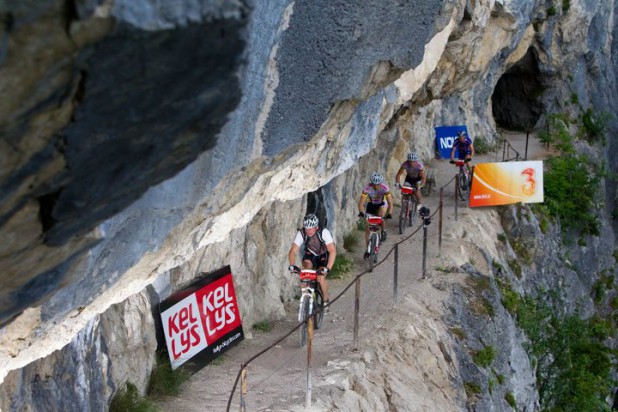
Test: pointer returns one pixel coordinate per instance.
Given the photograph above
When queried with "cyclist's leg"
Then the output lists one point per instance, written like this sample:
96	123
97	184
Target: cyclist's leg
321	262
382	212
308	260
414	182
370	209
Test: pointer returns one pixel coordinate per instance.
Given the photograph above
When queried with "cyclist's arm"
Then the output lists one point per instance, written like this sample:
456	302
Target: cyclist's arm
332	254
292	253
399	173
471	150
453	151
361	202
389	199
423	177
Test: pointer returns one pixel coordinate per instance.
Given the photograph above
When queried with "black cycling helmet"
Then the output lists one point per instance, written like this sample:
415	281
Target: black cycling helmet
461	133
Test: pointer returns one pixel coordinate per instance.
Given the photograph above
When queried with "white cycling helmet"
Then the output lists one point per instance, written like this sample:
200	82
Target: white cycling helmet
377	178
412	156
310	221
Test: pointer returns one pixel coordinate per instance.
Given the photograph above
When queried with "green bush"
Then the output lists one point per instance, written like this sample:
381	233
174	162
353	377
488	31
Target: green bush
485	356
502	237
263	326
350	241
164	380
481	146
472	388
342	267
566	5
572	363
551	11
128	399
594	126
570	189
510	399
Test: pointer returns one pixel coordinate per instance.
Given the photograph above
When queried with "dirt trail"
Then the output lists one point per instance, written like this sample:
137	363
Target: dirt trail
276	381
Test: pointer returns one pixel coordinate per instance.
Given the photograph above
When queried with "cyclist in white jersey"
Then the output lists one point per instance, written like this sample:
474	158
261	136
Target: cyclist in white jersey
320	251
377	196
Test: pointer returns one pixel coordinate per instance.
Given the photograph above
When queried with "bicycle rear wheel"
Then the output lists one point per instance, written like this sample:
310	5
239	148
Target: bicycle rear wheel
373	257
304	327
318	308
463	186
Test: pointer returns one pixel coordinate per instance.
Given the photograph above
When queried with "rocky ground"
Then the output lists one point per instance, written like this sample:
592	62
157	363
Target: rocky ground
404	359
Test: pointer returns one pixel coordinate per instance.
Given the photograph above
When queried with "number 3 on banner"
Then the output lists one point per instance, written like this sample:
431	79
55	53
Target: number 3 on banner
529	187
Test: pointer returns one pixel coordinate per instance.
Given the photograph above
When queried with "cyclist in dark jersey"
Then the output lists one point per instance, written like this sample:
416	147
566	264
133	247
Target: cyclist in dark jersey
415	176
376	200
320	251
465	148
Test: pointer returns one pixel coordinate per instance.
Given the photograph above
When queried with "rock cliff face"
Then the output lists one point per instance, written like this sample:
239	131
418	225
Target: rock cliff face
143	142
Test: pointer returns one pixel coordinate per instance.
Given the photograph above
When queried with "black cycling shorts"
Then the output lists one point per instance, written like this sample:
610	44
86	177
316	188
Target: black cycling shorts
316	261
373	208
413	180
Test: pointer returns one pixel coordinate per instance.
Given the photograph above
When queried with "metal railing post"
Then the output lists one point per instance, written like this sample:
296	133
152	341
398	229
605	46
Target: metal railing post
440	221
396	266
309	347
356	311
456	196
243	389
424	250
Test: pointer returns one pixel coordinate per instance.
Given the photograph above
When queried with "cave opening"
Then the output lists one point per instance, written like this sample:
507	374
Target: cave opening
516	100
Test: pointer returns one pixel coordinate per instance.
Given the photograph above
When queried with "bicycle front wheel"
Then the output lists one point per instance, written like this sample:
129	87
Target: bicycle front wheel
402	215
318	308
412	212
304	327
373	254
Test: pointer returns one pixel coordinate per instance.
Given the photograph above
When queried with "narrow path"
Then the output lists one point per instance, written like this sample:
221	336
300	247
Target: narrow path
277	379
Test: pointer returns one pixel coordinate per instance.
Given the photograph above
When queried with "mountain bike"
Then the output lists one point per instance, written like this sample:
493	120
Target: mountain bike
463	178
407	215
311	302
373	248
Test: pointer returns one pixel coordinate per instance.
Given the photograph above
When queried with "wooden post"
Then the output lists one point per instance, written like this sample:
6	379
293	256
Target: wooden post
243	389
396	266
356	311
309	347
424	250
440	221
456	195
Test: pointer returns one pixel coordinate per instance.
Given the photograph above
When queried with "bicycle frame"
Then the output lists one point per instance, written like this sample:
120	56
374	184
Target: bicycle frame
308	282
408	202
373	247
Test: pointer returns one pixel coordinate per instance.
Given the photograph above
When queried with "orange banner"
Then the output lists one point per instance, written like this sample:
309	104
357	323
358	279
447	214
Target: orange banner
506	183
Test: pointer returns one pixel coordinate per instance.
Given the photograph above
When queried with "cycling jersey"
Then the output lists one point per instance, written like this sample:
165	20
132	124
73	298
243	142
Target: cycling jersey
376	195
412	168
316	244
463	148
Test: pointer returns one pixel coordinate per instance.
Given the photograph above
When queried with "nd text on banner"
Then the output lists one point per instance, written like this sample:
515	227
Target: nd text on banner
445	136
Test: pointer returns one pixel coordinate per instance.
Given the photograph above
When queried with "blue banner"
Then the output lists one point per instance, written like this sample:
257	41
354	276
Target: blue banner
445	136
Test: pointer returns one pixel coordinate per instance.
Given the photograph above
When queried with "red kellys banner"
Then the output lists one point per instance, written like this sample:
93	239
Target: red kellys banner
202	319
506	183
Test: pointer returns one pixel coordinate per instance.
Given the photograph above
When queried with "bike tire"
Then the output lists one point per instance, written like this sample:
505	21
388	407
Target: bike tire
402	216
304	327
412	212
318	308
373	257
463	186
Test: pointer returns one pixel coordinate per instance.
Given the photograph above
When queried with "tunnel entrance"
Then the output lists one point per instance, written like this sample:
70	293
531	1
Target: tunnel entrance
516	101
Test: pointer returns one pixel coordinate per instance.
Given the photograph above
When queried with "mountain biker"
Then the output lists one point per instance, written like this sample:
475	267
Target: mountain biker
320	251
465	148
415	173
377	196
